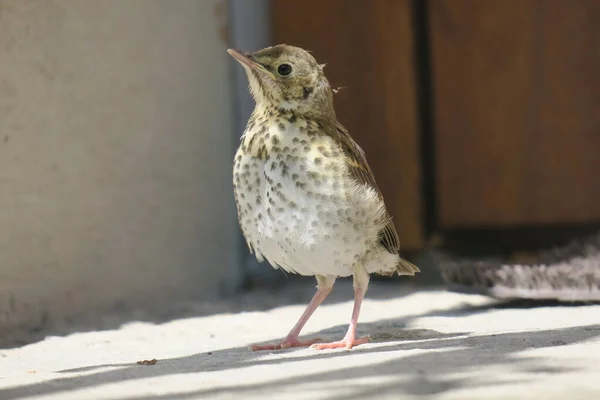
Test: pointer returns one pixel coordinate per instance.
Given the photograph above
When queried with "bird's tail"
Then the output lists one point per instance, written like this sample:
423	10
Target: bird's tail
406	268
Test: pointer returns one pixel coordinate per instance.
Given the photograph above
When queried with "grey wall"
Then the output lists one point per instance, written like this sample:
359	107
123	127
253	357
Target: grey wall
116	140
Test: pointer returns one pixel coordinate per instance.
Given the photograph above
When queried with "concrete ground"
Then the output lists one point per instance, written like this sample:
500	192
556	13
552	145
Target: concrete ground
425	344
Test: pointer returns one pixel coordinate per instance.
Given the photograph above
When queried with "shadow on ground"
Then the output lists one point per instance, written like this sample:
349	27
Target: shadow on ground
416	374
296	290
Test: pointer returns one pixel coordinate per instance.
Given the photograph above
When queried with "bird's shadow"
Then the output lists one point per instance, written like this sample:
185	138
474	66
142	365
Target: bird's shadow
424	373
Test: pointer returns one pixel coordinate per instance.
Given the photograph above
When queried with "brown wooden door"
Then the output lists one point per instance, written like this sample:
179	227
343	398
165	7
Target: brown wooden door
517	111
368	48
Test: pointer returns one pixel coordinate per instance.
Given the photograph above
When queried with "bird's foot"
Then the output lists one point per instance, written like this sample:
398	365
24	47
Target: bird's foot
347	343
285	344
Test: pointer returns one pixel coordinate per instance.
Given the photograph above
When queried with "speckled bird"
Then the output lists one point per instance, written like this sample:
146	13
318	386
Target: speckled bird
306	198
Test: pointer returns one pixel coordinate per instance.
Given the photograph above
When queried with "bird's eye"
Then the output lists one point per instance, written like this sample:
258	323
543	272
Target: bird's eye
284	69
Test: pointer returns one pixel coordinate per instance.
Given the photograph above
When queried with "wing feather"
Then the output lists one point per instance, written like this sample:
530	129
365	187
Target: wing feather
361	171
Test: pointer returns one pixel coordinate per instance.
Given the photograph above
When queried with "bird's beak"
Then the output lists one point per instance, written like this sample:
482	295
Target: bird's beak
249	62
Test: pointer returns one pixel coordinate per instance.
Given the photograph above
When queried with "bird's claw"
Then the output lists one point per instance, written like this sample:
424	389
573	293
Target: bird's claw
285	344
347	343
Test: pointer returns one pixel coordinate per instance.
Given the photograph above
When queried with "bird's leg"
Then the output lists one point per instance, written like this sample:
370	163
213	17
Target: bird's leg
361	283
324	287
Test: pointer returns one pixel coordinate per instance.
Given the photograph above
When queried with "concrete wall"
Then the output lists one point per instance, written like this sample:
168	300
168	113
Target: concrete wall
115	156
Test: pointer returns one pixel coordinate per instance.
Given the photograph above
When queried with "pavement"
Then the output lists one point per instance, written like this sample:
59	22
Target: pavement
426	344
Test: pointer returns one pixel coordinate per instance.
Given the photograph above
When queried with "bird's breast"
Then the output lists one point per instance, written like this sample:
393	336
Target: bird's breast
297	203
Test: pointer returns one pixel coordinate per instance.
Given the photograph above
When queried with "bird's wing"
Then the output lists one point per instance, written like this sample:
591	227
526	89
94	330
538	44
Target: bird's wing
360	170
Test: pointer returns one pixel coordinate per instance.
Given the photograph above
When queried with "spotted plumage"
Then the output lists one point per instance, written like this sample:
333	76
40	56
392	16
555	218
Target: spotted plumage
307	200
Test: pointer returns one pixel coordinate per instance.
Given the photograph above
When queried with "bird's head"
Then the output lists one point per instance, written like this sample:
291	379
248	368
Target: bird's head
287	77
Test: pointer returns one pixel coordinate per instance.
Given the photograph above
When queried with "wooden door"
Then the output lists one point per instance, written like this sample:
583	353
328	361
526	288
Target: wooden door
516	90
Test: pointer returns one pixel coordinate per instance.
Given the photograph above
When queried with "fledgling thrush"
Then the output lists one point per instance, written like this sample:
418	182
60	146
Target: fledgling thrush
306	198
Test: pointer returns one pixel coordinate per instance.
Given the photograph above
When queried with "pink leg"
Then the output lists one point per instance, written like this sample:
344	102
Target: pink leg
324	288
350	340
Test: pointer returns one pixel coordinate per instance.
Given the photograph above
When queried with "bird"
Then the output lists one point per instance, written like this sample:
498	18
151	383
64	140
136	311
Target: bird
307	200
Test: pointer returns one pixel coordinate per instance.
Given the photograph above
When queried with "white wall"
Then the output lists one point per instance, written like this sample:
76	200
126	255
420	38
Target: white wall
116	141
